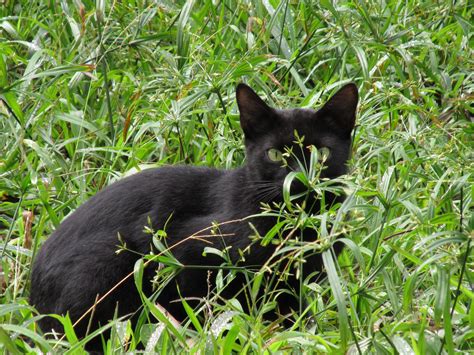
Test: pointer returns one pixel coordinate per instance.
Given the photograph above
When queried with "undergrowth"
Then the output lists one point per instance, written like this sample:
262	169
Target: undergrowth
93	91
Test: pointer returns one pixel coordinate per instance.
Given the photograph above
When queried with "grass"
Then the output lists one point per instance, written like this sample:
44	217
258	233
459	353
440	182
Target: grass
91	91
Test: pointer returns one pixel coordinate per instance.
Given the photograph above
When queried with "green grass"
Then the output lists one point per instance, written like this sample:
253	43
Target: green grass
91	91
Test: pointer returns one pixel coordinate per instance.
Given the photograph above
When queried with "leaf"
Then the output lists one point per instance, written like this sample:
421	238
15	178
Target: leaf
68	328
11	101
77	118
28	333
7	342
272	232
138	274
153	339
362	60
355	250
3	72
229	344
45	156
8	28
164	319
335	283
286	189
191	315
402	346
182	40
442	310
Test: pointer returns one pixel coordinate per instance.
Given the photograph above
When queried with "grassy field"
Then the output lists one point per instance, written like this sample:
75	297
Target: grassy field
92	91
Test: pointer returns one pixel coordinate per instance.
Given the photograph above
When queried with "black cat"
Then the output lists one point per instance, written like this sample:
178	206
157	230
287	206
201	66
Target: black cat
79	263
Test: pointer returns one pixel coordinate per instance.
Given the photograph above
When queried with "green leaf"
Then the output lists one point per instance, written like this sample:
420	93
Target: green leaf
164	319
138	274
27	333
182	40
7	342
192	316
362	60
339	297
3	72
230	346
287	187
68	328
9	98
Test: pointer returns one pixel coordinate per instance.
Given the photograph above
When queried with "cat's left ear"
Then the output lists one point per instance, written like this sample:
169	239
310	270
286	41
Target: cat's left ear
340	110
255	115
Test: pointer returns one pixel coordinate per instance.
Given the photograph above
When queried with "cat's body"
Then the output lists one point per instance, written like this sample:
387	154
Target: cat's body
79	263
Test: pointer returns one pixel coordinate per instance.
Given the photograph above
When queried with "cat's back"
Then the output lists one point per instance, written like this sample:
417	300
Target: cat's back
153	186
127	206
151	192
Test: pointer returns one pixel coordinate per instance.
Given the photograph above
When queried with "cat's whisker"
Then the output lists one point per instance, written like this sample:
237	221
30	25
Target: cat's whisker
267	187
263	186
268	193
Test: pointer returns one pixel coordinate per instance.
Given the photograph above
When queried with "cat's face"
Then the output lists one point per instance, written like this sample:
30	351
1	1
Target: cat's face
270	132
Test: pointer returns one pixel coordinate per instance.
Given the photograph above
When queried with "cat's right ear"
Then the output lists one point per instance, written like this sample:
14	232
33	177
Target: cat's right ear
255	115
340	110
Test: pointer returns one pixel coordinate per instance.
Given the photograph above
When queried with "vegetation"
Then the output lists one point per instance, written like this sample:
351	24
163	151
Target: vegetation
91	91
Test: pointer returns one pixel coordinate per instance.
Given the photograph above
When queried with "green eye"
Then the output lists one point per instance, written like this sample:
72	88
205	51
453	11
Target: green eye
323	153
274	155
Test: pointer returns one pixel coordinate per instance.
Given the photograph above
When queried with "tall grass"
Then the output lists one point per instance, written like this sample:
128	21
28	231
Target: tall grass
92	91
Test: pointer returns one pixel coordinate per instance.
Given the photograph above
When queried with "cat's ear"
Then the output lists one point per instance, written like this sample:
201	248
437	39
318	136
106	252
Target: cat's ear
255	115
340	110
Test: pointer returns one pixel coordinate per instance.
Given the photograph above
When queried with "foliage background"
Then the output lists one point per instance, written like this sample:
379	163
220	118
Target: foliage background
91	91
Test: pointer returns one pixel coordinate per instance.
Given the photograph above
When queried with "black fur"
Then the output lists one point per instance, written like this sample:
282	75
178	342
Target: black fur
79	261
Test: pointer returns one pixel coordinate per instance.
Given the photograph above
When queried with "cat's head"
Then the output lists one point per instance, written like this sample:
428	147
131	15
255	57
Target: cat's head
269	132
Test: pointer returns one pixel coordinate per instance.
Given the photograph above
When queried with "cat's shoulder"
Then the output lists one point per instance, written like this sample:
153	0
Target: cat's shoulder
167	176
178	171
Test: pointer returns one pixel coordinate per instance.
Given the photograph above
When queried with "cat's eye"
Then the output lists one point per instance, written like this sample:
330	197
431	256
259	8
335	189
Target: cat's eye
323	153
275	155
